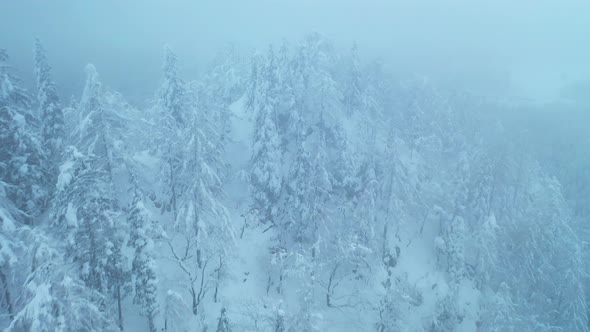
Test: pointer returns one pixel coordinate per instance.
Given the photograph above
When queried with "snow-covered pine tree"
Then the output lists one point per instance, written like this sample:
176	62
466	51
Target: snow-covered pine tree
307	317
500	313
117	273
53	299
365	211
50	111
21	155
99	134
279	320
353	90
143	258
222	86
485	250
201	208
343	170
288	124
223	323
256	69
308	193
299	77
227	76
446	317
265	164
10	245
454	244
173	116
454	231
172	91
210	120
394	304
103	125
175	313
550	247
312	84
84	215
485	194
203	220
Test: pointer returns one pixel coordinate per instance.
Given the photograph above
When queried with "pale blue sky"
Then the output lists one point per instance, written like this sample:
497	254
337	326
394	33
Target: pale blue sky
520	47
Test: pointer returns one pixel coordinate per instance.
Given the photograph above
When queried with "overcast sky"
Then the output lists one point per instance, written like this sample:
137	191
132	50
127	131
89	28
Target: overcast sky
523	48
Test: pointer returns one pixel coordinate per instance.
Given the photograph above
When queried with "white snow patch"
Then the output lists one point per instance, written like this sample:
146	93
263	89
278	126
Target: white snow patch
71	216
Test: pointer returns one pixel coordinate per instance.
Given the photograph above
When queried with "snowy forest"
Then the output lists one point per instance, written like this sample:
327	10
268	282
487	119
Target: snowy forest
298	186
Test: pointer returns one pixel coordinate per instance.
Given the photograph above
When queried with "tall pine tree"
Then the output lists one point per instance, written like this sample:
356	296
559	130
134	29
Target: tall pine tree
143	260
265	169
50	111
173	116
21	156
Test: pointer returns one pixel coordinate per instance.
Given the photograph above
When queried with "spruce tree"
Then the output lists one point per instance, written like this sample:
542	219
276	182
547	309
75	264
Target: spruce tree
50	111
143	262
83	214
21	155
173	116
86	219
353	93
265	169
223	323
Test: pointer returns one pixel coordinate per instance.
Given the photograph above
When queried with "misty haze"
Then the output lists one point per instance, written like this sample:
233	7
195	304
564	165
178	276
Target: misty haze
295	165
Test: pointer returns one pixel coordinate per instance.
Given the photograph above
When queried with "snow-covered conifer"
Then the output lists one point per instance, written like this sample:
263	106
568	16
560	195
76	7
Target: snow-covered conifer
143	258
50	112
265	169
223	323
21	155
353	91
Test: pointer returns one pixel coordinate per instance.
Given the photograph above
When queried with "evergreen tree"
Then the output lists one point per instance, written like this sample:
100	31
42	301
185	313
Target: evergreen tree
226	79
500	314
279	322
254	80
172	91
143	261
446	317
173	116
52	298
21	156
10	245
202	219
353	92
288	118
309	189
265	169
223	324
102	125
117	273
307	317
201	208
50	111
175	312
85	217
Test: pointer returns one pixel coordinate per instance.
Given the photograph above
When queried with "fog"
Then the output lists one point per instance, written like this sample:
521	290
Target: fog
387	166
525	49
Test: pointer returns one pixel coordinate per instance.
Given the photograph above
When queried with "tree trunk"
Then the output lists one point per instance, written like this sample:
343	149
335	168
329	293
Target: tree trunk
119	308
218	279
194	298
243	229
173	201
281	277
151	325
173	189
268	284
7	297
